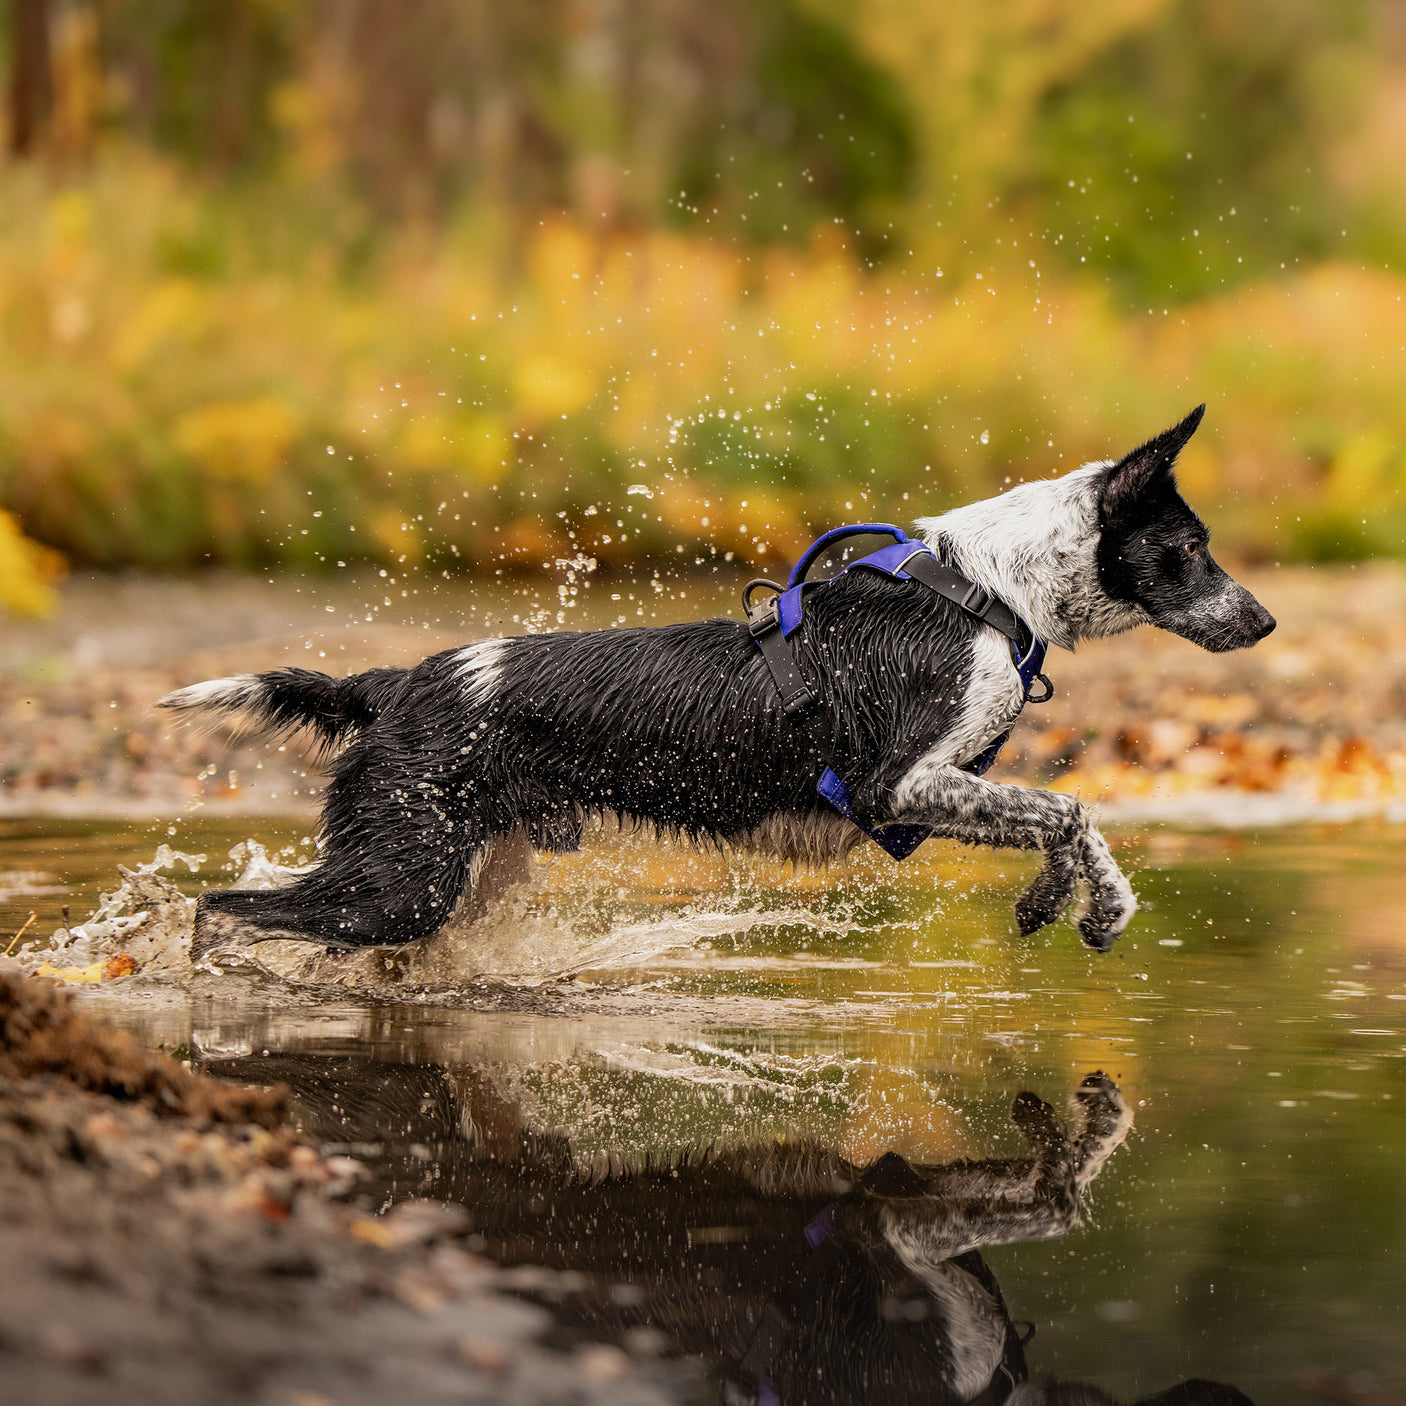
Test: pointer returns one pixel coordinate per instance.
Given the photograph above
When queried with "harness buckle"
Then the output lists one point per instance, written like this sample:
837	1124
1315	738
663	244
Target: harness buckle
764	618
977	600
1046	695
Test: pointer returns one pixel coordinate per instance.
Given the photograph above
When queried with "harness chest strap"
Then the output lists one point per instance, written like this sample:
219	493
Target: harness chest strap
773	621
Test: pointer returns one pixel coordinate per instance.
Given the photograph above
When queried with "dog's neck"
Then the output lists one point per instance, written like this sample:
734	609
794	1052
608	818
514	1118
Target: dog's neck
1036	548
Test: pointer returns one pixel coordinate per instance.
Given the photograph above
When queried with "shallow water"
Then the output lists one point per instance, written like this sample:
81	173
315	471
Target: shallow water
644	1001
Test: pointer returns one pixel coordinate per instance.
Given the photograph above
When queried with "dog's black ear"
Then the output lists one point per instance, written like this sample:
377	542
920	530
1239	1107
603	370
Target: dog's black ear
1131	477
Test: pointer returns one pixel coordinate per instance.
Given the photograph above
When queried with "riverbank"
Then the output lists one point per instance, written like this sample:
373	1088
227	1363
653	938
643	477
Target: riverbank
166	1237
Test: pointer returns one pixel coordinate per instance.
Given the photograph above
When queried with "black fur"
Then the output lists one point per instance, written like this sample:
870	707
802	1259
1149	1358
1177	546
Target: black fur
675	727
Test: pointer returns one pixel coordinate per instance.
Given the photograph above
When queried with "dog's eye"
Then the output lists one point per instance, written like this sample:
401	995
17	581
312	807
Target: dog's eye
1193	549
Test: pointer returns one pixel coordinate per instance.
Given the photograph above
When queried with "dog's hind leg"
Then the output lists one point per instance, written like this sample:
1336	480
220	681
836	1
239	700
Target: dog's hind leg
395	863
385	896
500	866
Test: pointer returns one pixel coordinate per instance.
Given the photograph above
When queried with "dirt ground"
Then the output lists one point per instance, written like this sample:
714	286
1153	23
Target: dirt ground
1313	717
167	1238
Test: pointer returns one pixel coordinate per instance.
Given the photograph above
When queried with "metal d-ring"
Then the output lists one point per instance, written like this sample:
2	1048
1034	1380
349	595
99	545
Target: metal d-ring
1046	695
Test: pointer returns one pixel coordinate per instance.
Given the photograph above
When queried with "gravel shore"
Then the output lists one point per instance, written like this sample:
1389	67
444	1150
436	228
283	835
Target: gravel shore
166	1237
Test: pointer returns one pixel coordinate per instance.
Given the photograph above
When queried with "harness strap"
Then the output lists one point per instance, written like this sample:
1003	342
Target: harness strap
764	624
975	600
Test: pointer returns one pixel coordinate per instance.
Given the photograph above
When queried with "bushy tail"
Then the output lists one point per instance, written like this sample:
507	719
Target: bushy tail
281	701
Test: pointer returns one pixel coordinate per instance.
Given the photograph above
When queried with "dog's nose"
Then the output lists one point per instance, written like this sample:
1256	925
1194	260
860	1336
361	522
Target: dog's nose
1265	625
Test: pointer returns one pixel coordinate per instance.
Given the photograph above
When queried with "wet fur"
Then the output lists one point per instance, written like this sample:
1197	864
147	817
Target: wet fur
679	728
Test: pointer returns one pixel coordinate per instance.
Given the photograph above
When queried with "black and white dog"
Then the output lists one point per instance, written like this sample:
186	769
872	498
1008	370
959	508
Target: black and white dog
681	727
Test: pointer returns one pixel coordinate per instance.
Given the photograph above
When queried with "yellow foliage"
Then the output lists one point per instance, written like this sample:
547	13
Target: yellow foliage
167	312
549	385
70	221
28	571
396	537
593	361
424	446
246	440
483	446
1362	467
474	449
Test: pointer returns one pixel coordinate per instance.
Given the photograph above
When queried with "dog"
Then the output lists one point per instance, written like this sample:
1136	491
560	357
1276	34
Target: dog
796	1274
681	728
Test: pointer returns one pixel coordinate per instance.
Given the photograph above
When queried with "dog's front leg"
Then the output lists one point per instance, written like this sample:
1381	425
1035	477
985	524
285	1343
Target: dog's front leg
956	805
968	1207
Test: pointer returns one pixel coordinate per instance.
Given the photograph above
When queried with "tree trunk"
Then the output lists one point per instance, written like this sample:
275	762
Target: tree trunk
30	80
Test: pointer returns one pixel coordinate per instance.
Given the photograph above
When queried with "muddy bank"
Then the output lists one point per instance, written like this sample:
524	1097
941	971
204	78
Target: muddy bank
168	1238
1314	717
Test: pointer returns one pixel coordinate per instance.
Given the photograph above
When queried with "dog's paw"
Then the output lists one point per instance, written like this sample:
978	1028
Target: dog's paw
1038	1122
1105	1121
1110	910
1050	893
1112	902
1103	1111
1031	915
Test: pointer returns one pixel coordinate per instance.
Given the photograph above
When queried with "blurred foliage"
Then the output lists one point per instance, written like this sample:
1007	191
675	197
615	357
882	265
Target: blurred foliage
28	571
446	283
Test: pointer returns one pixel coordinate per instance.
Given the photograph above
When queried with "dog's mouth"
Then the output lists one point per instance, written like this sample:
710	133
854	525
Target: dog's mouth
1219	632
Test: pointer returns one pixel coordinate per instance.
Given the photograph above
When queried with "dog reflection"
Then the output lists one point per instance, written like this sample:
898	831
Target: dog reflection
796	1275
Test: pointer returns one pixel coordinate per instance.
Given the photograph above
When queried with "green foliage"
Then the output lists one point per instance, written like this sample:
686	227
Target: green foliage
913	250
196	79
818	131
1197	152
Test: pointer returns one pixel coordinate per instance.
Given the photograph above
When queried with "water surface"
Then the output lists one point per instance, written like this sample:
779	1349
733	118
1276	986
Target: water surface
1251	1230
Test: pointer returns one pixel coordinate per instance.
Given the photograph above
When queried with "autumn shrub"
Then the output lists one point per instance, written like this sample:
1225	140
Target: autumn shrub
194	374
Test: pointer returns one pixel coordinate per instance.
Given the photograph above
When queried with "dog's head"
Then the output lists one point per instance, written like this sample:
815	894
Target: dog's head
1153	552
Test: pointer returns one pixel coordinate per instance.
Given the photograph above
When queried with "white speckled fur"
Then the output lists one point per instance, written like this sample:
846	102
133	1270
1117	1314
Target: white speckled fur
976	1328
1034	547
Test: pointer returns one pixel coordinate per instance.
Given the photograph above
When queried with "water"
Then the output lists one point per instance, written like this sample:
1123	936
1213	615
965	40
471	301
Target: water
642	1001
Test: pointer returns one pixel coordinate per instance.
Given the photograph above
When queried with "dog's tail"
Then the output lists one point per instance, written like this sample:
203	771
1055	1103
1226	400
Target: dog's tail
281	701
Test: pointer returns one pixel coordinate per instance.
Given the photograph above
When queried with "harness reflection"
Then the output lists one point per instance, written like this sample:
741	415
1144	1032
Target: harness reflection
794	1274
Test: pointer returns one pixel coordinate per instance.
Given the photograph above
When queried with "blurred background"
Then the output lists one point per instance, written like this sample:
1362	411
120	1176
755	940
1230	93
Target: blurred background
462	287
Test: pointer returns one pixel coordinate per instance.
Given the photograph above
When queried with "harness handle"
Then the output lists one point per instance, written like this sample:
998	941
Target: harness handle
756	585
836	534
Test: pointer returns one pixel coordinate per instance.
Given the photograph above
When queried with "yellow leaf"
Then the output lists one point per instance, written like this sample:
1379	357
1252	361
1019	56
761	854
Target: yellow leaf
73	975
27	571
108	970
549	385
372	1232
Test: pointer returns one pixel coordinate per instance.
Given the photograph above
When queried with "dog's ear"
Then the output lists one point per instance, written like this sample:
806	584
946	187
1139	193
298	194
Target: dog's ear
1134	474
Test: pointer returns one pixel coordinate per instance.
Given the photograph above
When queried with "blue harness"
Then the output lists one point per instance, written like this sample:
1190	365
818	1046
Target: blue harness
774	621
